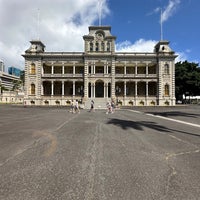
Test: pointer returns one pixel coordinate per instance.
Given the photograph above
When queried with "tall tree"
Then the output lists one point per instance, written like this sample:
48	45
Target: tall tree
17	84
187	79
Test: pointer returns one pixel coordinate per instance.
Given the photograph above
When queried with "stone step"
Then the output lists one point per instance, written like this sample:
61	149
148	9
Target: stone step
99	103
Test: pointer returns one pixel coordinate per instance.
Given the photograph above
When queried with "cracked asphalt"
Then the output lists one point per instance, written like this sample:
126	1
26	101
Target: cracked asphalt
50	153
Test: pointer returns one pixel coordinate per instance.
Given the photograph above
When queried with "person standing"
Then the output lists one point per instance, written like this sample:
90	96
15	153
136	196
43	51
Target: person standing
77	107
72	110
92	106
112	106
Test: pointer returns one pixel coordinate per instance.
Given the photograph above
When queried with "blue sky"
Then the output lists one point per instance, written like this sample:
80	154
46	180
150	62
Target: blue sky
134	20
62	23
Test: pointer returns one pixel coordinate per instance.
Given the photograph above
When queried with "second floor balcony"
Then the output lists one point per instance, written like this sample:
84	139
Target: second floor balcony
62	75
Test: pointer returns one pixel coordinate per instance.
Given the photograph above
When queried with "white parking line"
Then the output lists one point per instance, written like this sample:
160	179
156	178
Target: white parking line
166	118
174	120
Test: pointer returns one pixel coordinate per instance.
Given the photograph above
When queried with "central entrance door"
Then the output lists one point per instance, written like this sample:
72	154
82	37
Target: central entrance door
99	89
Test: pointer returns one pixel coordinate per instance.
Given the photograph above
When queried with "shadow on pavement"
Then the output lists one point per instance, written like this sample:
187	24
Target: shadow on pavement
140	125
175	114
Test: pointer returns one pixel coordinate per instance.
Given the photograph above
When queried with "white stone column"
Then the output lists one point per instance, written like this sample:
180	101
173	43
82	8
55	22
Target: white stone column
147	91
136	69
147	71
74	69
42	89
63	88
124	69
136	88
94	69
63	69
105	69
94	91
104	95
74	88
106	92
52	88
52	69
42	69
91	88
124	88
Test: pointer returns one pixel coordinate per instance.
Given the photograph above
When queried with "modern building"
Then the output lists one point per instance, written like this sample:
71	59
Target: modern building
7	85
14	71
100	73
2	66
7	80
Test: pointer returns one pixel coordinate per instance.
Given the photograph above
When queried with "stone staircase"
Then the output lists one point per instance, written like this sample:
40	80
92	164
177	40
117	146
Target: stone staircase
99	103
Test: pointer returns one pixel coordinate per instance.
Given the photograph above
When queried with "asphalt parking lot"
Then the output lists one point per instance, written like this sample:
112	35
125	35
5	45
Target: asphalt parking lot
188	113
136	153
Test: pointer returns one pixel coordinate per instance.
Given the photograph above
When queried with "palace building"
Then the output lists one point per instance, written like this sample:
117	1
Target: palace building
100	74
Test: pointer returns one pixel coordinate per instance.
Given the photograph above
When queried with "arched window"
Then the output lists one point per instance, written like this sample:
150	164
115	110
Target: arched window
166	92
166	69
32	89
102	46
97	46
108	46
32	69
91	46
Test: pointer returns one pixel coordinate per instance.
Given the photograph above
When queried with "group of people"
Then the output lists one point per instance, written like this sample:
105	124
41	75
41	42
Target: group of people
110	105
75	107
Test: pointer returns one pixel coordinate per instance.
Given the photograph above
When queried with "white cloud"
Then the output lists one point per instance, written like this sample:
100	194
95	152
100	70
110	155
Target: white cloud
155	11
188	50
185	55
182	56
143	45
60	21
169	10
140	45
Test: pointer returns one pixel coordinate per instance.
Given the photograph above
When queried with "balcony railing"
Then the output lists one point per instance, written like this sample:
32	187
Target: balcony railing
61	75
99	75
136	75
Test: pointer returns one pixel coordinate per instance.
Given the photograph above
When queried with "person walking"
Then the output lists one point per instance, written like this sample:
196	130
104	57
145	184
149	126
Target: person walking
77	110
72	109
113	106
109	107
92	106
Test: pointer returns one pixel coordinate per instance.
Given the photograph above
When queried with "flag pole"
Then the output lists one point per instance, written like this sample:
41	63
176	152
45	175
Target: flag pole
100	11
161	25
